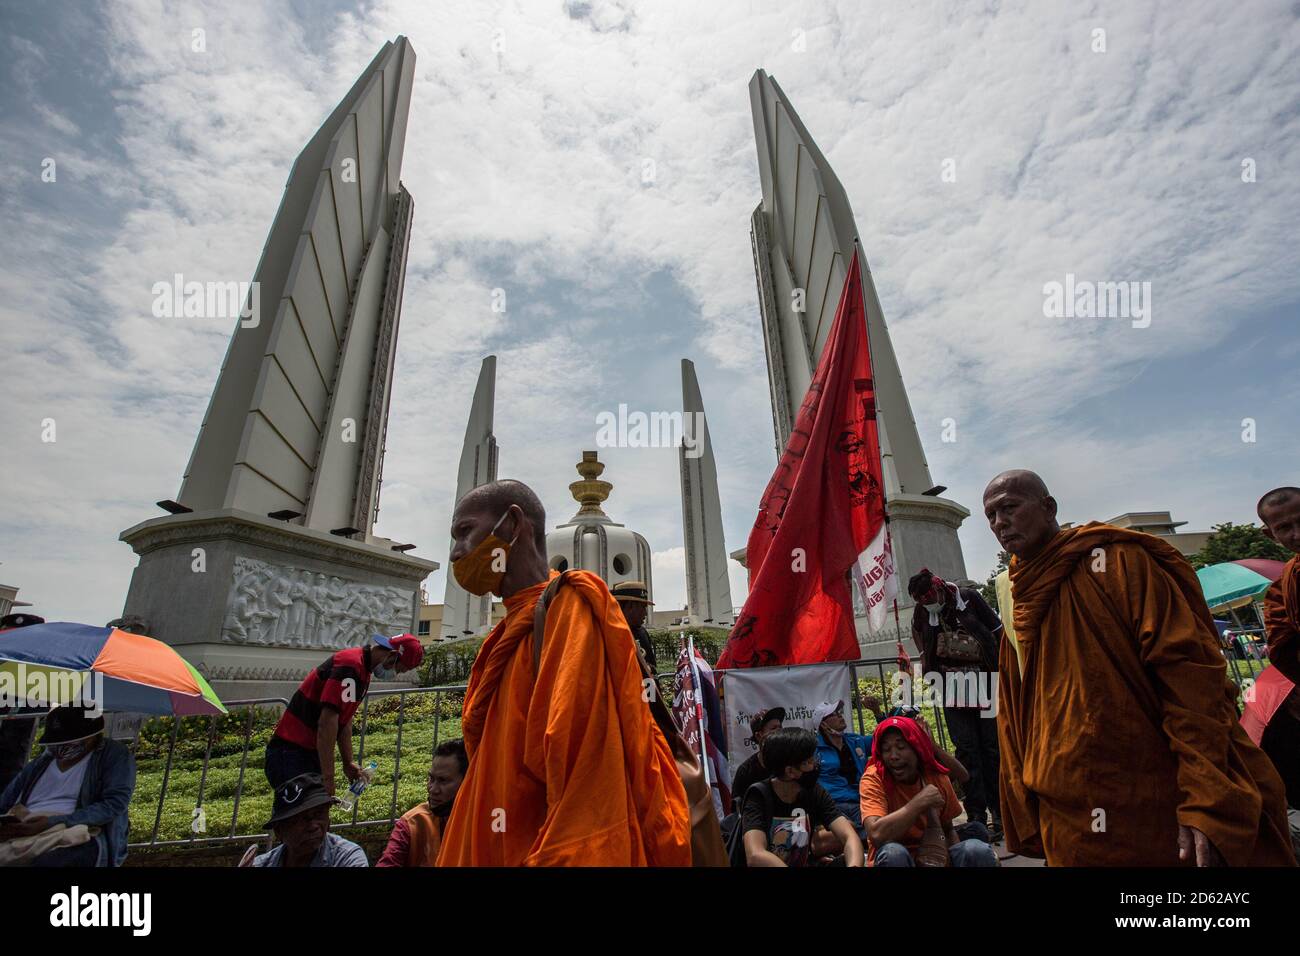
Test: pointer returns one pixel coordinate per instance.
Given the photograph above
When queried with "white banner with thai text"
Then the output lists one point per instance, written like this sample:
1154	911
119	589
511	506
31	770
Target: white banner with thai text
877	578
752	690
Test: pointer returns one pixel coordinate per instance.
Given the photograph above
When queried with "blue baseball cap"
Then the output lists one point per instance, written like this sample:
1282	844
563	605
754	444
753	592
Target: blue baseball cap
384	642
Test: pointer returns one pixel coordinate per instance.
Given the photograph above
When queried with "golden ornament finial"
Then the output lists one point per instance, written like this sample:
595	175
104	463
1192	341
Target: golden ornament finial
590	491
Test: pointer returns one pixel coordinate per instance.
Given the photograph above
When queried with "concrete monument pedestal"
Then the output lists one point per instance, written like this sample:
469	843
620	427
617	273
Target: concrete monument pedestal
268	561
924	532
254	603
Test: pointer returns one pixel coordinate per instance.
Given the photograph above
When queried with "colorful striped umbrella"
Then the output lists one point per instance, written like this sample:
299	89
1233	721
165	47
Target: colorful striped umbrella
136	673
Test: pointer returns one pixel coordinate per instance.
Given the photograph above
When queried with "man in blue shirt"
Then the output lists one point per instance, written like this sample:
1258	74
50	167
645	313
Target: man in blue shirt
81	778
300	818
841	758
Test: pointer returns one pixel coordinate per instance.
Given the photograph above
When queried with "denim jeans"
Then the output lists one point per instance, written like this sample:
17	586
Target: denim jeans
82	855
284	761
853	811
972	850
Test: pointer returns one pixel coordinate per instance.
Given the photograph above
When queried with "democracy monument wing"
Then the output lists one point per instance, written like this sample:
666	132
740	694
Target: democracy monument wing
803	235
269	553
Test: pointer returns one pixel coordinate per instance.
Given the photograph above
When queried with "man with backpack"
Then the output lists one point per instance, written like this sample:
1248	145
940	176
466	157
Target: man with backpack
567	766
959	636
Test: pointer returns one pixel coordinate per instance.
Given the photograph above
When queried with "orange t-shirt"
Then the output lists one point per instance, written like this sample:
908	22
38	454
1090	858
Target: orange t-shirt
875	801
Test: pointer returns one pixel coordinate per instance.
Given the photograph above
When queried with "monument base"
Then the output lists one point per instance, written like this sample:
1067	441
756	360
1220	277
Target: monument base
273	691
247	598
923	529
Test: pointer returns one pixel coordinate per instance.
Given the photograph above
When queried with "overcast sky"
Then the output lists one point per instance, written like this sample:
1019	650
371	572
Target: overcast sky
531	126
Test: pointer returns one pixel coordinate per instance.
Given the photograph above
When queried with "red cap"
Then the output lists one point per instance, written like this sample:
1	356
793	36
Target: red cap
409	648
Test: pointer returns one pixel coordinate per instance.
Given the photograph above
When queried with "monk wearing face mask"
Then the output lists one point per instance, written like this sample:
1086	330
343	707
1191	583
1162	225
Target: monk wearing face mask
566	764
1119	737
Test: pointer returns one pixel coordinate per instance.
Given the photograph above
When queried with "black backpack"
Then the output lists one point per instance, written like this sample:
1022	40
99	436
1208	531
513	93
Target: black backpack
733	824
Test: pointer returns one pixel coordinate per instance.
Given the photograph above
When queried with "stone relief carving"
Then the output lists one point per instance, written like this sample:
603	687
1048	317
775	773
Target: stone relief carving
292	607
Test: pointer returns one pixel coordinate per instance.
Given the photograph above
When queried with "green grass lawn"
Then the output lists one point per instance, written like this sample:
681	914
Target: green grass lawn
178	818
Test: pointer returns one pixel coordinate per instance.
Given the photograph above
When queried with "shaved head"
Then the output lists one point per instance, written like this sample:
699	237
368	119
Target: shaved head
496	497
1021	512
1026	482
1274	498
1279	512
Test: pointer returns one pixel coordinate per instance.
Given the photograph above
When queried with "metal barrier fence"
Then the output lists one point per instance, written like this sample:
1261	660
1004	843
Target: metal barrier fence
880	669
252	706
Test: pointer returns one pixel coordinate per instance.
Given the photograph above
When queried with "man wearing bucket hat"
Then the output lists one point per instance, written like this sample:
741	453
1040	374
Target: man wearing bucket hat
300	818
82	778
319	716
633	598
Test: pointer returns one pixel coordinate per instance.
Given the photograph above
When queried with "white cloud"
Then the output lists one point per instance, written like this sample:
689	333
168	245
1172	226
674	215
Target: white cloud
532	129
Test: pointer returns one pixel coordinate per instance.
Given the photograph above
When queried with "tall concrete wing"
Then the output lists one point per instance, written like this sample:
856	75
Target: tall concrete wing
464	613
268	561
803	235
708	589
298	416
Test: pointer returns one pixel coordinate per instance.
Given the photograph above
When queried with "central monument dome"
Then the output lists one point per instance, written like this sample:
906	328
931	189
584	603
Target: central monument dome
592	541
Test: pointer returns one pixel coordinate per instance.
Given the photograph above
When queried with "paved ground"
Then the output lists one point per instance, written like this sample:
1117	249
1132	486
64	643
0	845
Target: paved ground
1016	860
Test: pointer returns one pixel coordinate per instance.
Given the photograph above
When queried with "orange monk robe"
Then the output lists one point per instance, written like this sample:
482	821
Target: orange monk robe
1123	724
1282	621
566	767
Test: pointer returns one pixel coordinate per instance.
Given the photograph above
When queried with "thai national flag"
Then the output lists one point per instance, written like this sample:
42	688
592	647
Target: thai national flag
714	740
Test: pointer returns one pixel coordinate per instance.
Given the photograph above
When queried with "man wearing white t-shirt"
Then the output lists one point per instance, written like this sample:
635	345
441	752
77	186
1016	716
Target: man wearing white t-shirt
82	778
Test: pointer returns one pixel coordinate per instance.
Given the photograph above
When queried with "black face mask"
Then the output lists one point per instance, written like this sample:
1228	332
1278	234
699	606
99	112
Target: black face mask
808	780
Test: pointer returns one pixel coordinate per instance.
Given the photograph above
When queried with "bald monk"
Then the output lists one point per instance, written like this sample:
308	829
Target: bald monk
566	764
1120	742
1279	512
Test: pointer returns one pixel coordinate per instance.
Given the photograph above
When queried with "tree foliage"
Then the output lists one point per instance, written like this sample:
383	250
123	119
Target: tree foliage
990	591
1232	542
709	641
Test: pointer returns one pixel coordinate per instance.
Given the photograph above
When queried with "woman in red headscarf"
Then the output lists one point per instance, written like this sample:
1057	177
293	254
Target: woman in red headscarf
904	781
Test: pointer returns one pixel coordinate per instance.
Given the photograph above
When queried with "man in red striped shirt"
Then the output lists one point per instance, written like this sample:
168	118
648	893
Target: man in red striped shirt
319	717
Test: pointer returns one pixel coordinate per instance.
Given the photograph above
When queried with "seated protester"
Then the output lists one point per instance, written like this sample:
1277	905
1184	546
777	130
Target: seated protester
841	758
300	819
319	715
417	835
17	730
77	792
780	814
751	770
903	782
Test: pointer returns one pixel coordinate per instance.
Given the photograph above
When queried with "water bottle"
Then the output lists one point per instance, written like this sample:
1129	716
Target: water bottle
353	793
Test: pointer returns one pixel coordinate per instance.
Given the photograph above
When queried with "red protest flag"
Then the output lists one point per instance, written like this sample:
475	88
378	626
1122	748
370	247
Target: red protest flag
822	516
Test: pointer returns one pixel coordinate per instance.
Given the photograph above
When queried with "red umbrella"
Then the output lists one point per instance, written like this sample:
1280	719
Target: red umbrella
1270	690
1264	567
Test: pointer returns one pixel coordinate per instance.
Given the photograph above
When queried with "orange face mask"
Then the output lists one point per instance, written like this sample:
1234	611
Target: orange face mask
481	571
